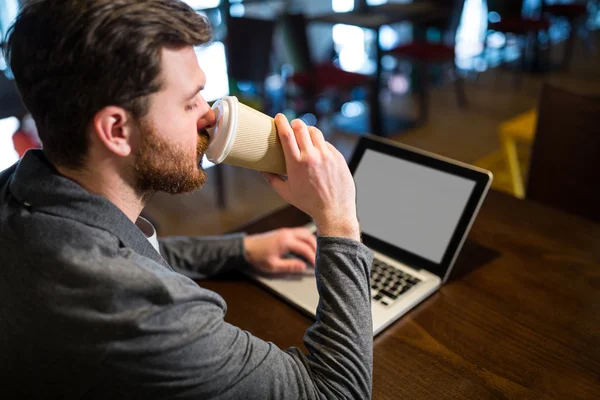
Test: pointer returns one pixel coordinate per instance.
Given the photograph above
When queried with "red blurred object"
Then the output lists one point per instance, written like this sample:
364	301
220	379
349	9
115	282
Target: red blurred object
23	142
519	25
327	76
314	80
425	51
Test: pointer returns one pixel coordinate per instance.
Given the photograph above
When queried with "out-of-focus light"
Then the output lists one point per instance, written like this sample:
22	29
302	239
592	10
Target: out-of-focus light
352	109
387	37
218	18
199	4
342	34
511	53
351	60
274	82
244	86
342	5
350	41
213	62
289	114
399	84
237	10
558	32
480	65
376	2
496	40
464	63
465	49
8	155
287	70
494	17
471	30
388	62
309	119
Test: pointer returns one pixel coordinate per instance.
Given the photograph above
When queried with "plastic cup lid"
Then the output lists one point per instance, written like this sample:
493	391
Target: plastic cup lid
222	135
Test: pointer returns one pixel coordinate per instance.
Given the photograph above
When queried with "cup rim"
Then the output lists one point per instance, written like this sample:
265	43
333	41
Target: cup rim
227	110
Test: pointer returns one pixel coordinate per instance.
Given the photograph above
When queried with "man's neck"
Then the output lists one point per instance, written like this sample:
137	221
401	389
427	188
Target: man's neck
111	186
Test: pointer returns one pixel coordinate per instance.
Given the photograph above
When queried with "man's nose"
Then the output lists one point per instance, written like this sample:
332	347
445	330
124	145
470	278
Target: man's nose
208	120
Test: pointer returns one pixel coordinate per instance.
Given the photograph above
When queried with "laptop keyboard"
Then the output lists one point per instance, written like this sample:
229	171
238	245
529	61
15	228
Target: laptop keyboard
388	283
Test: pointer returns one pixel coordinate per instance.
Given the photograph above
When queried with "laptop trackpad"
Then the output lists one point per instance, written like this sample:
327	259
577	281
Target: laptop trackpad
300	289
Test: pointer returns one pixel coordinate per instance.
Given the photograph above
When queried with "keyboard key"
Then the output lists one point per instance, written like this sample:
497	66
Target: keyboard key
388	294
389	282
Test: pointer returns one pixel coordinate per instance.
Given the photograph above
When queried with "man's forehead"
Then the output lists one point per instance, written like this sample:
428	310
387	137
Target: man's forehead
179	66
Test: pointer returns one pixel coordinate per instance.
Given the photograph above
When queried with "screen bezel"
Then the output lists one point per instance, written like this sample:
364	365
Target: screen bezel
482	179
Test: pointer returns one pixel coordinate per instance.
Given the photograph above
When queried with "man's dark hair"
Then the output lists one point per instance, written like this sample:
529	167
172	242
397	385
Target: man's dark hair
71	58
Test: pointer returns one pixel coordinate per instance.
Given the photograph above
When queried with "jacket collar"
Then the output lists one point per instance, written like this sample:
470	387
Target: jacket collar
38	185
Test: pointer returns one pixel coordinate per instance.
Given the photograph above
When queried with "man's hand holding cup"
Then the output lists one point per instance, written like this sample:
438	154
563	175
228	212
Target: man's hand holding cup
319	181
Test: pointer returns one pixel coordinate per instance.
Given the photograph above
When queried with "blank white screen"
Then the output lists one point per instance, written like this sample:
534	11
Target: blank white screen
410	206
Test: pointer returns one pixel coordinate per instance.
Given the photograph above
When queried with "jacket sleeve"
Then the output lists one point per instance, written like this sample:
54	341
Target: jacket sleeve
200	257
184	349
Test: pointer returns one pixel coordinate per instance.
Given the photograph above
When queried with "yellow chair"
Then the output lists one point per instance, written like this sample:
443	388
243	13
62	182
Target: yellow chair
518	129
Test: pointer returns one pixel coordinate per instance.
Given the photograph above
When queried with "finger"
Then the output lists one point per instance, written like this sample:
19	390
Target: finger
307	236
304	250
302	136
277	183
291	265
287	137
317	138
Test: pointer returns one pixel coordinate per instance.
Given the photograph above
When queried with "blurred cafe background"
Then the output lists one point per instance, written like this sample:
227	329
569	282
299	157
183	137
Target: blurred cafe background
511	86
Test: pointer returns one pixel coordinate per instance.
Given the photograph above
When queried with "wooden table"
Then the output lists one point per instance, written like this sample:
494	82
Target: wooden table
518	319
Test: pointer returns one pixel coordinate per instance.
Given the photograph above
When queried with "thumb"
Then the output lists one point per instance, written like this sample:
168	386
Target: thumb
277	183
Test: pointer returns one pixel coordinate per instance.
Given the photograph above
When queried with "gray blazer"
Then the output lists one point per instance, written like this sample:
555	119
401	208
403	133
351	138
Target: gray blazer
89	309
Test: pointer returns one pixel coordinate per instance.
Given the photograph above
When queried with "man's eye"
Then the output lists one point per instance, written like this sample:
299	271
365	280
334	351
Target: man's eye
191	107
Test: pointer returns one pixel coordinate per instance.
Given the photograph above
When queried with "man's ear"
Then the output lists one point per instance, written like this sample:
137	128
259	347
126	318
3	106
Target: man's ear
113	128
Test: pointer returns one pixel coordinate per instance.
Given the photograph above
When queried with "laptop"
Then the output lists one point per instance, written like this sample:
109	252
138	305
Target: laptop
415	210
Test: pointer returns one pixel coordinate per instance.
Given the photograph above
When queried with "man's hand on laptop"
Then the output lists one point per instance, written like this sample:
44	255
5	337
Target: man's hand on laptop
267	252
319	181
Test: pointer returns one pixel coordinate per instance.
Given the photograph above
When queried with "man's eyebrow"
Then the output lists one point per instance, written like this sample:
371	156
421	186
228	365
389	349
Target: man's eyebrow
198	89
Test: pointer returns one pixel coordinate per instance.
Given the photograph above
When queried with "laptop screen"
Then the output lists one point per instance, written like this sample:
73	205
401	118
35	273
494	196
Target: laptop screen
409	205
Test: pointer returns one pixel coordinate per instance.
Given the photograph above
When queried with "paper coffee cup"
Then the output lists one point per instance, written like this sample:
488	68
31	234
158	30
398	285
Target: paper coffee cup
245	138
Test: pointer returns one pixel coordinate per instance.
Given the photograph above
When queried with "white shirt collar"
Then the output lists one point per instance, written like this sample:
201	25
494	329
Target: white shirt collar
148	229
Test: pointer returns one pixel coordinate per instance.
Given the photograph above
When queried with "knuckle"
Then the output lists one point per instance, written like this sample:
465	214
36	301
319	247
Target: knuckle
314	162
297	124
285	135
287	235
316	131
310	159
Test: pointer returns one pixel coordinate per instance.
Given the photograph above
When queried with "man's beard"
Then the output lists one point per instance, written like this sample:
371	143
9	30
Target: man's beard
161	166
